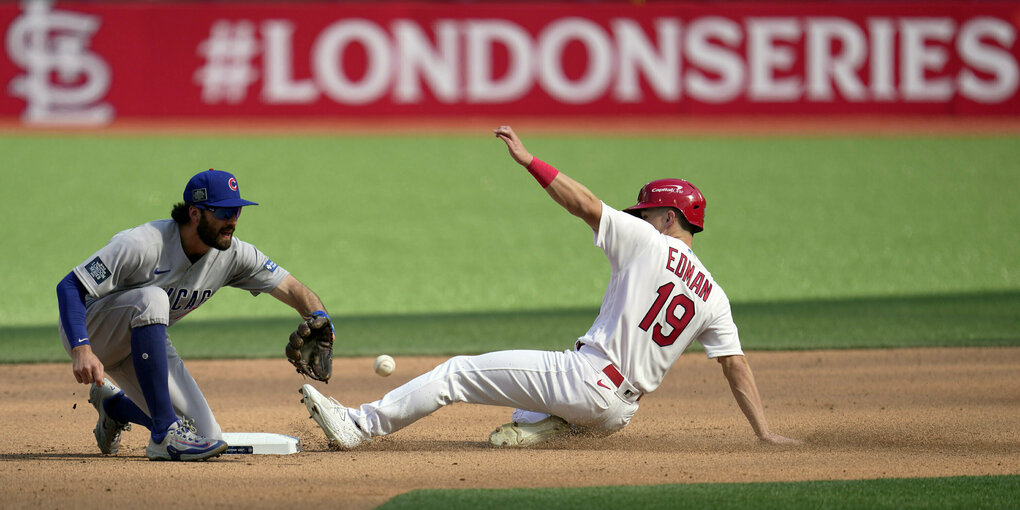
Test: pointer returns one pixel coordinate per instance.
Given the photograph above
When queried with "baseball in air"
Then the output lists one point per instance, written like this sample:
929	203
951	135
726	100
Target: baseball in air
384	365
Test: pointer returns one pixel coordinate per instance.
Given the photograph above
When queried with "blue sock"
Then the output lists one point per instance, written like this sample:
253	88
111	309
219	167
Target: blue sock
148	353
121	408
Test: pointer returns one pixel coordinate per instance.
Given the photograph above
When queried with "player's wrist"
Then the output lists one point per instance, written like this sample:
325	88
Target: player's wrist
543	172
322	313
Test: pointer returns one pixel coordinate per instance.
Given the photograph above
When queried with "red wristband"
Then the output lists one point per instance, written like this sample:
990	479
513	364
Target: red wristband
543	172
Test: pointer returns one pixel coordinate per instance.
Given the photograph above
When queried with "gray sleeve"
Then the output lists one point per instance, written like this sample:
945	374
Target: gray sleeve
253	271
126	261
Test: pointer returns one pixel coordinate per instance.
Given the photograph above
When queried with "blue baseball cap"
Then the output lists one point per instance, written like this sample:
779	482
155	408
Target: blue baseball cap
214	188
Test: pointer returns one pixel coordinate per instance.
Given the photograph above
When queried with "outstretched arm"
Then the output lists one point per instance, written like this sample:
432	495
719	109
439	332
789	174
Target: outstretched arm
745	390
570	194
298	296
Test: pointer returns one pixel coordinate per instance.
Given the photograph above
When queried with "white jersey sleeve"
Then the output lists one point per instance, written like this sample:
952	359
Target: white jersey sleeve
719	337
623	237
659	300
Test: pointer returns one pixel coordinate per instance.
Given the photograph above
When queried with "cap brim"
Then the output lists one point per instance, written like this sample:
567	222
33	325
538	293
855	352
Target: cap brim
234	202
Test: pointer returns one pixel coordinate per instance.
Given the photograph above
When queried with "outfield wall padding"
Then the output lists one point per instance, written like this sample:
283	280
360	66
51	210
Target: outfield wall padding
94	62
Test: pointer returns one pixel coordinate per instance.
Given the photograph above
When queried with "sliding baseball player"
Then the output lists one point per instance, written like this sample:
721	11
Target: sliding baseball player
660	299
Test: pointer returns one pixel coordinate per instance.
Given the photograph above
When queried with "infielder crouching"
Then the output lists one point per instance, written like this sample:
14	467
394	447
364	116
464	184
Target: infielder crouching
115	308
659	300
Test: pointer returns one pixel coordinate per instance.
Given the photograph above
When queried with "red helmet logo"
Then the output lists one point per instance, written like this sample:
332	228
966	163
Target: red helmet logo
676	193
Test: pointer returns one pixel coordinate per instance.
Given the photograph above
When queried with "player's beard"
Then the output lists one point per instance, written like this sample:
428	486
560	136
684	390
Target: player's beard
210	236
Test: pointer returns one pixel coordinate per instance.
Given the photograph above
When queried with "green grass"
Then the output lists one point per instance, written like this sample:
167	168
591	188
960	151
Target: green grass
423	225
964	493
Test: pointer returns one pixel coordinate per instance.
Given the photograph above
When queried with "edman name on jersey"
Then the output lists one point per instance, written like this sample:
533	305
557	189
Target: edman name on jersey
684	269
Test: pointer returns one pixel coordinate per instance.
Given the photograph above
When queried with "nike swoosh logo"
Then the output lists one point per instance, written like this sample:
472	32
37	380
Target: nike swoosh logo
174	454
80	340
163	271
600	383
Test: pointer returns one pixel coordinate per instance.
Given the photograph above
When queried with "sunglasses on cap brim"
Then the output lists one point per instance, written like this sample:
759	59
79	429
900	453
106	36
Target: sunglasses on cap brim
222	213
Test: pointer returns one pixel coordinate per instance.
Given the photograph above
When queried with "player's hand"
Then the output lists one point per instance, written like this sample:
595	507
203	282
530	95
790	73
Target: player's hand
777	439
86	366
517	150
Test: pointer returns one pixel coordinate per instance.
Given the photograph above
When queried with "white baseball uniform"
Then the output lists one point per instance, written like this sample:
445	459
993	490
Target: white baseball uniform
660	298
142	277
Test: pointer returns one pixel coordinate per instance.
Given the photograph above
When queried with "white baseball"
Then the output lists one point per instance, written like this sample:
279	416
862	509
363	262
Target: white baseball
384	365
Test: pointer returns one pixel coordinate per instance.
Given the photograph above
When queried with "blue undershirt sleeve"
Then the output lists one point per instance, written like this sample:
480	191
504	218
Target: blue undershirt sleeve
71	303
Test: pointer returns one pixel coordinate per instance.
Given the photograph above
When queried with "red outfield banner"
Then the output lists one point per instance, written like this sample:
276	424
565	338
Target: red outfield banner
89	63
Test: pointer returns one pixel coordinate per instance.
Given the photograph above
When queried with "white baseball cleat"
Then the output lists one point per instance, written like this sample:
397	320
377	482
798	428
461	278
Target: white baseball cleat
182	442
332	418
517	434
107	429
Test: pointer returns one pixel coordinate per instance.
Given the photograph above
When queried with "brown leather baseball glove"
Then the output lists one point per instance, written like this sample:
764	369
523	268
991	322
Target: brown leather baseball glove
310	348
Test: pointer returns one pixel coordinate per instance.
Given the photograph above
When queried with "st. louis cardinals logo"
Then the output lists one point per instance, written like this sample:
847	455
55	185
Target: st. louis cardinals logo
232	183
63	81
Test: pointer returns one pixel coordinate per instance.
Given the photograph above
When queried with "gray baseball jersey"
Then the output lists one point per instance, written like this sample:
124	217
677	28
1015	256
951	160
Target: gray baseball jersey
151	255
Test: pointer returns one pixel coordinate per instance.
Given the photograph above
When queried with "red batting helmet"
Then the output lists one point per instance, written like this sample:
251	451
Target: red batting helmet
676	193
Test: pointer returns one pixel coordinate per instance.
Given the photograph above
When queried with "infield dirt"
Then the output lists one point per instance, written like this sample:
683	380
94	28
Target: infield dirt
863	414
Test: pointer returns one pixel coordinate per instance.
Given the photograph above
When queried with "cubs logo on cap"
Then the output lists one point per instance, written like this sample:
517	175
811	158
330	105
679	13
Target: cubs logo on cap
215	188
